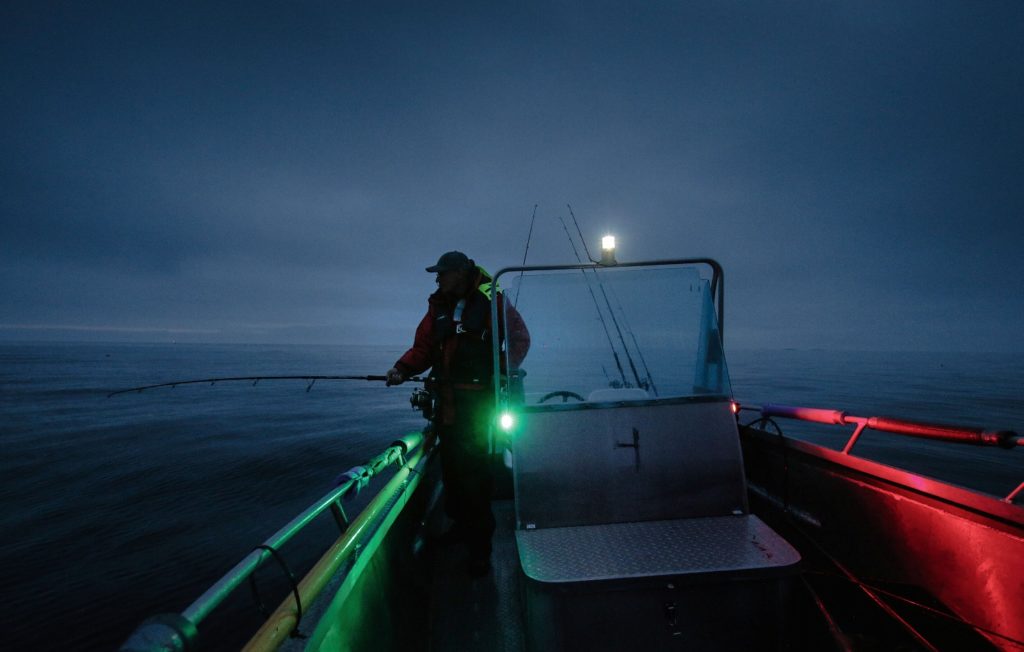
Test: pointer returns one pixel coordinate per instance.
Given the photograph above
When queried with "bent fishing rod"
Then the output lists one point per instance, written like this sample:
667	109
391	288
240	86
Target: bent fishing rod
255	379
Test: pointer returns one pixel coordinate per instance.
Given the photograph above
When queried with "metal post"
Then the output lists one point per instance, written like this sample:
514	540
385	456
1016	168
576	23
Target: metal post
861	425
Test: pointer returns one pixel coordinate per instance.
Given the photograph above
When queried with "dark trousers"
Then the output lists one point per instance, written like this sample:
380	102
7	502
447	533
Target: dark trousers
466	469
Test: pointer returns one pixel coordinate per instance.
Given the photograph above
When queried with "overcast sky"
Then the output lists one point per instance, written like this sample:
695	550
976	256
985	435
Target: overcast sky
248	173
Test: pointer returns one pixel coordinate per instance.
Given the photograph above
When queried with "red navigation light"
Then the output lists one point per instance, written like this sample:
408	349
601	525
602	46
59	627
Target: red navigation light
735	407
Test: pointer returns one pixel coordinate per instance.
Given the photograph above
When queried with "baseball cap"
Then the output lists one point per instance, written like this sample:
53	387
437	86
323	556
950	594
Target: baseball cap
451	261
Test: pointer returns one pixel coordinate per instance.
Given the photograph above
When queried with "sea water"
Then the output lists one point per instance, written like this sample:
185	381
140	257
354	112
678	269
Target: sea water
116	509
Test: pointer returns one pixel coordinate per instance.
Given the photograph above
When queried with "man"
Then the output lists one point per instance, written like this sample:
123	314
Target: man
453	340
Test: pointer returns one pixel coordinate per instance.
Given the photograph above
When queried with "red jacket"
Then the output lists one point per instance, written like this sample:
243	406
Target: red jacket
463	359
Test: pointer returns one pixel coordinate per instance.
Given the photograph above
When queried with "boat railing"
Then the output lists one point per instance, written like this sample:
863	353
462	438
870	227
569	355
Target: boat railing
1005	439
174	632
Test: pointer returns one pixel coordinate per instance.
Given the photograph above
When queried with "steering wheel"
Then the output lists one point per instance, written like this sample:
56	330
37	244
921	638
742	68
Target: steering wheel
564	394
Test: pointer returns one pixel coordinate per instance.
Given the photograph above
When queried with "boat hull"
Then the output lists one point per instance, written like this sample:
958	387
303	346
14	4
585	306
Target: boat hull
897	538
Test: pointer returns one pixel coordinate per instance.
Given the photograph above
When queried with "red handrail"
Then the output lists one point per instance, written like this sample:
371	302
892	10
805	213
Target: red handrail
1006	439
958	434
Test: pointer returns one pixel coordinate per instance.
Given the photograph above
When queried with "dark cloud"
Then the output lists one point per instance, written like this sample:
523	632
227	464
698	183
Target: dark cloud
286	172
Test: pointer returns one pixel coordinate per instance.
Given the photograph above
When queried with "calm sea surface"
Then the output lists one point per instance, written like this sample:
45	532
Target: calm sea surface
117	509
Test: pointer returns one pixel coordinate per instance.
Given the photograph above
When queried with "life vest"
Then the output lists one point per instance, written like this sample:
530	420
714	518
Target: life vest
463	335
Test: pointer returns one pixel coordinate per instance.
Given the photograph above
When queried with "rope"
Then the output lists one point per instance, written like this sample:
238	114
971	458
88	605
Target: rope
295	633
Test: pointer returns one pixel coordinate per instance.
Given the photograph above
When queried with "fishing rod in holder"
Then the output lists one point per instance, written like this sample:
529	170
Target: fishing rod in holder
600	315
608	259
527	251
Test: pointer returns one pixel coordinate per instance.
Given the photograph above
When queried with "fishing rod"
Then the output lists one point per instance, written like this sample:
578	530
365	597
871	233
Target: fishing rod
311	379
632	335
528	236
607	333
600	286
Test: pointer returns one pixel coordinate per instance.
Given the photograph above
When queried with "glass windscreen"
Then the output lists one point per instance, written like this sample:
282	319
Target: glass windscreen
614	334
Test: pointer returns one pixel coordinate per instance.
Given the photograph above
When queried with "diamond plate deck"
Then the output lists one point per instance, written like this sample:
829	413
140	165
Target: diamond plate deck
652	548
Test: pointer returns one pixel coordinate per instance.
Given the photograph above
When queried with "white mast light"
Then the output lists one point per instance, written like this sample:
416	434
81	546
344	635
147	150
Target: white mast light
608	250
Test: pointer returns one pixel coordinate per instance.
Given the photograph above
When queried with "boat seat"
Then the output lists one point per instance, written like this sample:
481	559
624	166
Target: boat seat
596	463
677	547
633	530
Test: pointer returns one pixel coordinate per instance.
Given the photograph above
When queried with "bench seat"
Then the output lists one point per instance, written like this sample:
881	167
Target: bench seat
689	546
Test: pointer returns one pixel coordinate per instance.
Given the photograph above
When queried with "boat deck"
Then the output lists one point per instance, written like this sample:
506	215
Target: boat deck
484	613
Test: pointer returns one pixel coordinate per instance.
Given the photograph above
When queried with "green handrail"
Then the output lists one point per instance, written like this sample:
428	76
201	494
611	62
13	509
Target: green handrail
178	632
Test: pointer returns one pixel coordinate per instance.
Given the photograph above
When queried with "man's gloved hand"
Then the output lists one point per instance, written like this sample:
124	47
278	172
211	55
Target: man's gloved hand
394	377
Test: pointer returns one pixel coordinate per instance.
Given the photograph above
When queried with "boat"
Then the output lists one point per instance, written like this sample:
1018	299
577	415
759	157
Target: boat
641	506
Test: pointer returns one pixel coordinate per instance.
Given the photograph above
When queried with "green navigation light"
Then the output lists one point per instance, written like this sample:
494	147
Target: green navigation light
506	421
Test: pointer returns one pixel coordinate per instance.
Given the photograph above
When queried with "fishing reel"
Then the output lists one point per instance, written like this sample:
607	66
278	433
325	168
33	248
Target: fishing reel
423	400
